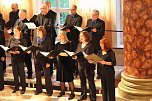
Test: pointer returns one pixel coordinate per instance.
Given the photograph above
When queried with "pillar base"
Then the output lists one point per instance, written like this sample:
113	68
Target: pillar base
135	89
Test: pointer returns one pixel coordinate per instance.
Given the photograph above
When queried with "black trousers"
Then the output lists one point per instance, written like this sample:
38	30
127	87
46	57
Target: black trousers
87	73
108	86
18	72
4	65
39	66
54	60
28	63
1	76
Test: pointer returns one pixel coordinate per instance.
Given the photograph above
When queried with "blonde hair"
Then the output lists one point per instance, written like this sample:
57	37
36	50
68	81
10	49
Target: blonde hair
62	32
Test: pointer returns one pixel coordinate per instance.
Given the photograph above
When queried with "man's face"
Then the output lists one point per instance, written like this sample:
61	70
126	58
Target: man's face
44	9
94	16
22	15
14	7
72	10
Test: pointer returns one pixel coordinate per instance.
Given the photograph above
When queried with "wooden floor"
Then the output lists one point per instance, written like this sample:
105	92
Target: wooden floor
6	94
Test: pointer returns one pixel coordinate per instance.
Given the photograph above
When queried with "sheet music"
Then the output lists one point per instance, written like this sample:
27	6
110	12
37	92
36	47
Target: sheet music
45	53
78	28
4	47
69	53
31	25
23	48
63	54
93	57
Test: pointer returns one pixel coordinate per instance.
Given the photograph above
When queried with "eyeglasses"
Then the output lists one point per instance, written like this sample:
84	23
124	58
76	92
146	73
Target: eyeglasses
72	9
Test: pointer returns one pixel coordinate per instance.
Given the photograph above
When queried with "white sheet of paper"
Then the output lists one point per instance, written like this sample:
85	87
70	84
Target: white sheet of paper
23	48
31	25
4	47
78	28
63	54
69	53
45	53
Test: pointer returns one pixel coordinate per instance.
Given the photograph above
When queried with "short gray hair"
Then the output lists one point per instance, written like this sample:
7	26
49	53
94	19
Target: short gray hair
96	11
24	10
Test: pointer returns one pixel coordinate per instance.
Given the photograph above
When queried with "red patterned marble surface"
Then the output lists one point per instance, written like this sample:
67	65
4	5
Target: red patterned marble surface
138	38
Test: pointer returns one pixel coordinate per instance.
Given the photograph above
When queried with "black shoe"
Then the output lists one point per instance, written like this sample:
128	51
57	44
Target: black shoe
98	77
49	94
22	91
37	93
15	90
29	76
10	64
71	96
83	97
61	94
2	89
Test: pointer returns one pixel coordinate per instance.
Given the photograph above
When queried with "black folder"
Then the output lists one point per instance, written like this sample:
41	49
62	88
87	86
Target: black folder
30	48
10	24
67	27
87	29
73	53
33	18
51	54
7	49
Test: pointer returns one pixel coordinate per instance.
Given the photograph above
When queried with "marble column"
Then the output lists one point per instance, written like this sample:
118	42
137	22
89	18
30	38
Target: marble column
136	80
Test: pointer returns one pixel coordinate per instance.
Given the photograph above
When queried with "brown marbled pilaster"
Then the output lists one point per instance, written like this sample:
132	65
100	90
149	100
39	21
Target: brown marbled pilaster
136	80
138	38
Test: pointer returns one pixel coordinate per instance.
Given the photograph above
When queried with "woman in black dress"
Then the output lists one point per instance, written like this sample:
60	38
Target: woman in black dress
42	62
65	64
17	58
106	68
86	69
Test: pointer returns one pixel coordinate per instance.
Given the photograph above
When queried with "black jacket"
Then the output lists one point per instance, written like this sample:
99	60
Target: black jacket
75	20
2	37
96	36
13	16
48	23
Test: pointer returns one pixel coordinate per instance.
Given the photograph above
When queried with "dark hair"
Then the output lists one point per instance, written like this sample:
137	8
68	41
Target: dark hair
41	28
87	36
106	44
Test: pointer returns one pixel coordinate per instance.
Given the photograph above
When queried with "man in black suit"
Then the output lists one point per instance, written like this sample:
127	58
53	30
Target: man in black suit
2	40
26	34
13	16
52	13
97	31
53	17
73	19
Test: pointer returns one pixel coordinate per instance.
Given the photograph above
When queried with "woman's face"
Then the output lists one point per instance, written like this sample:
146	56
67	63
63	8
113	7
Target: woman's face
82	38
102	46
16	32
39	34
61	37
